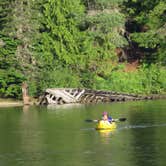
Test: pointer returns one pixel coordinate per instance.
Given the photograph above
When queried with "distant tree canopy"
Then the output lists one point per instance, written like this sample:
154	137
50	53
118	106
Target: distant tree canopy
62	43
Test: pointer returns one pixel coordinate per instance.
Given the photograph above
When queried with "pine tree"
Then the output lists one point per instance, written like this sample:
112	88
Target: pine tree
149	21
5	13
20	22
105	23
24	27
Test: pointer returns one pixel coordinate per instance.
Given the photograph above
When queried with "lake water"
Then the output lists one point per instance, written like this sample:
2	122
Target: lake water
49	136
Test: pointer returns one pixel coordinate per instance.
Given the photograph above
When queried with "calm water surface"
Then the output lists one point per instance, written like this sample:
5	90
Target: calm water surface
48	136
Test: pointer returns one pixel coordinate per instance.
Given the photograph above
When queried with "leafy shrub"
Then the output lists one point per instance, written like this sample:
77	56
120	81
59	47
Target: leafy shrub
146	80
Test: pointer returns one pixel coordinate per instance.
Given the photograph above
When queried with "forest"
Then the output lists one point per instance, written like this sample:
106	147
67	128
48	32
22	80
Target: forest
116	45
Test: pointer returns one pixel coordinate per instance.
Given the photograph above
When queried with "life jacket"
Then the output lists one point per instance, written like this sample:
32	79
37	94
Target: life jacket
110	119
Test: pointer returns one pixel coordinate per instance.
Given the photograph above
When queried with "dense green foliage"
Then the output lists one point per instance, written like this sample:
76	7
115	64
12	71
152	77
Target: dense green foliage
145	80
149	31
62	43
10	75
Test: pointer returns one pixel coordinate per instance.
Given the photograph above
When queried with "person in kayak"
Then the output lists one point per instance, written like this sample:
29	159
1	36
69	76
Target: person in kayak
105	117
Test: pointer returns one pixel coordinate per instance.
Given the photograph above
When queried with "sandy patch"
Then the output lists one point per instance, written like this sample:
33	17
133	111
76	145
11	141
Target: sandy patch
10	103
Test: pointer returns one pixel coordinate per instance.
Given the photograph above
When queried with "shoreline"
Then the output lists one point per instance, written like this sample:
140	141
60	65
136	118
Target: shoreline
15	103
10	103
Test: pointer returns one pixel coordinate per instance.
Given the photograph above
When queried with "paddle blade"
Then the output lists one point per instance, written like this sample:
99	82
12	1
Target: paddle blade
122	119
90	120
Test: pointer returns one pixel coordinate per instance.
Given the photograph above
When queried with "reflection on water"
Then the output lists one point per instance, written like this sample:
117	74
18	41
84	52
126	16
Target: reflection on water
38	137
106	135
25	108
145	143
65	106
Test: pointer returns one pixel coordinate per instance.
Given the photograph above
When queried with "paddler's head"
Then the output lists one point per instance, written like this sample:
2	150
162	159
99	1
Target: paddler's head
105	116
105	113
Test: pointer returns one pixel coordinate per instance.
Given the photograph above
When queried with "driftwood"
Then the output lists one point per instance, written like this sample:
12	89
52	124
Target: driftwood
59	96
25	96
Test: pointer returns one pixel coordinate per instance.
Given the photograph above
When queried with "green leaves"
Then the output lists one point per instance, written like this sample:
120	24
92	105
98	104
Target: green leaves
10	83
63	32
10	76
72	43
150	33
146	80
157	16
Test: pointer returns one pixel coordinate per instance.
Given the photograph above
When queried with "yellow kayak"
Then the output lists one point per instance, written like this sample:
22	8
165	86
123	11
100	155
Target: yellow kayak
105	125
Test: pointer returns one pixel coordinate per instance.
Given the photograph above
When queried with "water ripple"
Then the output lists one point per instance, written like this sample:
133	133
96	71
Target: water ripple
141	126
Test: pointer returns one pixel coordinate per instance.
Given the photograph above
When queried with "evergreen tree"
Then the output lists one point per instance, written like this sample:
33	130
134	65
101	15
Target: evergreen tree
105	22
10	75
20	21
148	21
4	13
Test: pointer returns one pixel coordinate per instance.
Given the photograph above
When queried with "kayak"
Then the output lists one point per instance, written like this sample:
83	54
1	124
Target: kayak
105	125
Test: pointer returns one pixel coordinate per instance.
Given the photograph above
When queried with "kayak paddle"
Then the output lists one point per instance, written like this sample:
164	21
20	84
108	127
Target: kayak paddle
90	120
114	120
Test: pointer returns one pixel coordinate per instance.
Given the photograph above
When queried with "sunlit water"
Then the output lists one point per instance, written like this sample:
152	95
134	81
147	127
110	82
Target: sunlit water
49	136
